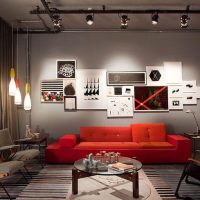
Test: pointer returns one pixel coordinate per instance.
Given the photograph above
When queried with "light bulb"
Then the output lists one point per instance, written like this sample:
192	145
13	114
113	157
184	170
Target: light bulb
12	87
27	102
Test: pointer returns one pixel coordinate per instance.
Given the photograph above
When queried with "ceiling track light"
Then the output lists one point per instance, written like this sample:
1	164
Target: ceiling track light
124	21
184	21
56	21
90	19
154	18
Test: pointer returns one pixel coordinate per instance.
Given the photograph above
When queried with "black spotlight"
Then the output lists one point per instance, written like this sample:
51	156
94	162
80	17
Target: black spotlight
57	22
89	19
184	21
124	21
154	18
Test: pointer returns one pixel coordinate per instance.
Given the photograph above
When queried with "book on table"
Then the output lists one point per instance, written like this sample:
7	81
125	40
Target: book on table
121	167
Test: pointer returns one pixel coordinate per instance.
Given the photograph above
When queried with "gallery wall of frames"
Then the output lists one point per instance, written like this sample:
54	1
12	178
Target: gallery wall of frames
121	93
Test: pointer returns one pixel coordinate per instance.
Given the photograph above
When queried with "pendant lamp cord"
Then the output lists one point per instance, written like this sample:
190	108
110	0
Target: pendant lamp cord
27	59
12	45
17	53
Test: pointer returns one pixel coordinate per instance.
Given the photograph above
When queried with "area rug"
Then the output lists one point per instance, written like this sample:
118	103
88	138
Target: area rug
113	188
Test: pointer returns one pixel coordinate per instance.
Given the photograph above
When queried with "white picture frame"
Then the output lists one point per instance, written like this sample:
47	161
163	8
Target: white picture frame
175	91
120	107
155	75
189	86
198	92
91	89
189	98
173	72
175	103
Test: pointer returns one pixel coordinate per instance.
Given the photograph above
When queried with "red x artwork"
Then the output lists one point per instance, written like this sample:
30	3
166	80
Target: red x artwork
151	98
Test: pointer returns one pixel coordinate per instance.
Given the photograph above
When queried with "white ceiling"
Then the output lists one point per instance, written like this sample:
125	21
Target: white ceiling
19	10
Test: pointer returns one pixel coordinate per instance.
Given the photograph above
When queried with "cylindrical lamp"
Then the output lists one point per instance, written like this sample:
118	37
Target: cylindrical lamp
27	99
12	85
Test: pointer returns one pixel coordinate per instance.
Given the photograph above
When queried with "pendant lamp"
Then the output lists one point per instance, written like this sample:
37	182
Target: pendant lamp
18	97
27	99
12	85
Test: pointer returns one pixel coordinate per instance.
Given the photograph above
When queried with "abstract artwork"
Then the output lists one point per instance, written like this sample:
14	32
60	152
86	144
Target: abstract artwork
91	89
175	91
69	87
66	69
128	90
121	91
189	98
155	75
117	90
175	103
189	86
70	103
51	91
126	78
151	98
120	107
173	72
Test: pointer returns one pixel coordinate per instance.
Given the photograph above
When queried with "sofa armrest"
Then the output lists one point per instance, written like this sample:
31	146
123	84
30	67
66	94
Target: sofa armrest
179	141
68	141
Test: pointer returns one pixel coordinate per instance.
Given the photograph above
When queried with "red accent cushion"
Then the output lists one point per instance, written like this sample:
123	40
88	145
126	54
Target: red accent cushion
148	132
156	145
107	145
68	141
105	134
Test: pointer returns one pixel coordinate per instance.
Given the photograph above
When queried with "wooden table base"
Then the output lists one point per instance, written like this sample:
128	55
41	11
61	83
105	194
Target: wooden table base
133	177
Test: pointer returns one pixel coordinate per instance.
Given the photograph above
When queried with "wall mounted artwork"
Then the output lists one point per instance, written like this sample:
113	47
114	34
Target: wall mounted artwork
189	98
120	107
151	98
198	92
128	90
173	72
155	75
66	69
91	89
125	78
70	103
69	87
189	86
175	91
120	91
51	91
175	103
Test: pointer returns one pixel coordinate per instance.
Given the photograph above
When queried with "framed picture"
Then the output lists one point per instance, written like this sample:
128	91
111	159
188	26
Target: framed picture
189	98
91	90
173	72
66	69
151	98
190	86
155	75
70	103
69	87
175	91
198	92
120	91
126	78
128	90
51	91
120	107
175	103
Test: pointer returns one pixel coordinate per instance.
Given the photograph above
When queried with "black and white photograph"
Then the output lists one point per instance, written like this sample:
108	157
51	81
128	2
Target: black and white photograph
175	103
69	87
66	69
175	91
190	86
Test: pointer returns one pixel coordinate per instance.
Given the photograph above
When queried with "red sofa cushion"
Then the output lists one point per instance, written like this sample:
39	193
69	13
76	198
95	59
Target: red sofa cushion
67	141
152	145
107	145
105	134
148	132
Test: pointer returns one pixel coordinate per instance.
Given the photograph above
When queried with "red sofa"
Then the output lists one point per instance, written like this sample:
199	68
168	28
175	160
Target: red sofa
149	143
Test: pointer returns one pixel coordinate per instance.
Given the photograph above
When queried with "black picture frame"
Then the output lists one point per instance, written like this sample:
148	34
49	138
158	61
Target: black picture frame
66	69
70	103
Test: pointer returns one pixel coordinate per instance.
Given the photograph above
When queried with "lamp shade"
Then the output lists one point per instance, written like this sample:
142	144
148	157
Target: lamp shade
18	97
12	85
27	99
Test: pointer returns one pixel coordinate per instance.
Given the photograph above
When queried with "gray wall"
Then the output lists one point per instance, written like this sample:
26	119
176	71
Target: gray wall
113	51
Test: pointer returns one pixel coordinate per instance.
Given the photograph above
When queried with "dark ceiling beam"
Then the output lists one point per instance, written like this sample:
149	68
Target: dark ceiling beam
118	11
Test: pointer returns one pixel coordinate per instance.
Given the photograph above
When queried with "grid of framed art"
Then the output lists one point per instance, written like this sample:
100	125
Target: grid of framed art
159	88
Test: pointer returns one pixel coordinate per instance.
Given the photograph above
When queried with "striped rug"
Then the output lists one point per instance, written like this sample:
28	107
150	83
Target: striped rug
54	182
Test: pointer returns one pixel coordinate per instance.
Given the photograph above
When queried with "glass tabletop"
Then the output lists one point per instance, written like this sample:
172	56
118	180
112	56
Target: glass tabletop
107	169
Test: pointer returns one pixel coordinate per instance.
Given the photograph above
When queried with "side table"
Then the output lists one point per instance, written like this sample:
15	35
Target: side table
195	140
27	143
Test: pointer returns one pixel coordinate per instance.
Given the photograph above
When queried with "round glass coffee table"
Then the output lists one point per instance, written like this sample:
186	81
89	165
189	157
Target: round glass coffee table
81	171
